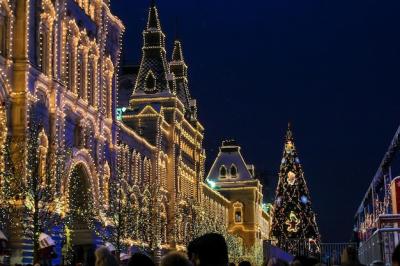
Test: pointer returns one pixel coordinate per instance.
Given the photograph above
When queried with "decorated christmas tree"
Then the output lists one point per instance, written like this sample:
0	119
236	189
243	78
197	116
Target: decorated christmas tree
294	226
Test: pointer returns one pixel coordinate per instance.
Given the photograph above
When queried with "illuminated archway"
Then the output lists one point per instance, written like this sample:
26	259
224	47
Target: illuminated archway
79	192
81	157
82	238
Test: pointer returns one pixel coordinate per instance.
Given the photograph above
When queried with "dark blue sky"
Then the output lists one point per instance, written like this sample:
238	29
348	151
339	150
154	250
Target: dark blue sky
331	67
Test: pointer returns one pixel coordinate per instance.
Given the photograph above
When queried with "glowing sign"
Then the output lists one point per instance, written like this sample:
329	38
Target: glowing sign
120	111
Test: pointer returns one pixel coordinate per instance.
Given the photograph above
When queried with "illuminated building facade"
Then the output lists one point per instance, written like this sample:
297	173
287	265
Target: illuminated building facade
58	62
247	216
86	163
377	219
162	115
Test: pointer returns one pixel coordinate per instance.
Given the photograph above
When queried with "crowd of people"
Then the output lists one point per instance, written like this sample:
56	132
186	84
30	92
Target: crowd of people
207	250
211	250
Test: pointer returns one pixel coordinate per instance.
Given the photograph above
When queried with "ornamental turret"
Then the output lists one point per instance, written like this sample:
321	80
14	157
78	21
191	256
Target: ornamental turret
179	68
153	77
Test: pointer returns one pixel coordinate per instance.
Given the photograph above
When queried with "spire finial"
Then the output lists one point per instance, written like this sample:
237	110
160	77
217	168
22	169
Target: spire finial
289	133
153	21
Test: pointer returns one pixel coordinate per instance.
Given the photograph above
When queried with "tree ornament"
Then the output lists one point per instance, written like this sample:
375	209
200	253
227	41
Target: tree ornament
292	222
304	199
289	147
291	178
278	201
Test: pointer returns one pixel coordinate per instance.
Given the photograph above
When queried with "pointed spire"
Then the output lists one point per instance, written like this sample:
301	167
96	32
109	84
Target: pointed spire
177	54
153	21
154	59
179	68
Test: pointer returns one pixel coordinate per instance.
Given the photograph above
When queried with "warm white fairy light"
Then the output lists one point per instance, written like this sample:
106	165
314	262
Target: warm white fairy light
80	84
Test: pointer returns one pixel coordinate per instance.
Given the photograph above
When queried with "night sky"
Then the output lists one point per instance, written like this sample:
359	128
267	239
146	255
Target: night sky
332	68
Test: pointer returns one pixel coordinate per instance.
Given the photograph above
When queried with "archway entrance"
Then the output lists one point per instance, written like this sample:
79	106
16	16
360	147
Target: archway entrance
81	215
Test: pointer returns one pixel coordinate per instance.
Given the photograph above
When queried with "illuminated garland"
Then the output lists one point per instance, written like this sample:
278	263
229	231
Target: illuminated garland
131	199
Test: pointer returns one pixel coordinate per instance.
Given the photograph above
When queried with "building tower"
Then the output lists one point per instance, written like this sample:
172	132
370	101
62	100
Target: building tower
153	76
163	114
294	225
231	176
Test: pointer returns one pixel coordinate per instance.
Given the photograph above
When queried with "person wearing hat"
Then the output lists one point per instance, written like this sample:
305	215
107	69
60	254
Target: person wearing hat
46	249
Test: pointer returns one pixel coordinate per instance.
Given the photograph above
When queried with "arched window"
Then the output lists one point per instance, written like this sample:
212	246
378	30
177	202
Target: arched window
78	135
4	37
233	171
45	49
150	82
238	212
45	34
222	171
107	95
91	82
88	135
81	74
70	56
238	216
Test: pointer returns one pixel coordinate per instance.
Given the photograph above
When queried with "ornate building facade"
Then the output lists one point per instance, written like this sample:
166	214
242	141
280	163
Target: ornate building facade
235	180
58	64
163	115
83	169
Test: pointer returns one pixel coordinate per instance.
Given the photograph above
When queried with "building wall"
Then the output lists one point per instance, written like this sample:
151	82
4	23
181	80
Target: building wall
247	199
217	205
58	64
232	178
59	137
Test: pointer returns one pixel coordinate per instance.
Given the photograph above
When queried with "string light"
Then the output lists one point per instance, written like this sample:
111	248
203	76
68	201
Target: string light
82	168
294	221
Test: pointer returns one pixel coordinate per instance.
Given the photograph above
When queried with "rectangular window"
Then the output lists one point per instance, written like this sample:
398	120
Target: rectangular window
238	216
